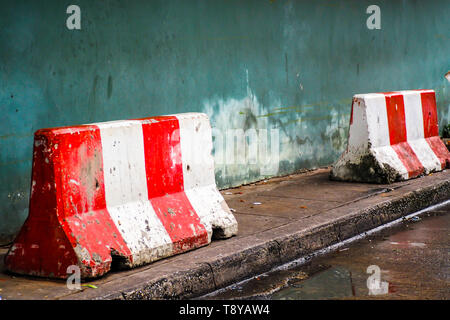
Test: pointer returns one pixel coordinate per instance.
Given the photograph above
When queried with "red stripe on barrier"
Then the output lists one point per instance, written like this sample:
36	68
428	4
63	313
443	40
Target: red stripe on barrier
397	134
80	165
85	213
396	118
164	170
429	112
409	159
163	163
440	150
41	241
431	128
68	218
351	113
181	221
351	123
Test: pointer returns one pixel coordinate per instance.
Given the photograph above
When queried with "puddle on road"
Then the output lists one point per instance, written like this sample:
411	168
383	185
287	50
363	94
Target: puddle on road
333	283
412	258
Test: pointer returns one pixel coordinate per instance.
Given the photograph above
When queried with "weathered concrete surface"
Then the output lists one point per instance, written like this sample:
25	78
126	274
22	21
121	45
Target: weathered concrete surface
297	215
421	241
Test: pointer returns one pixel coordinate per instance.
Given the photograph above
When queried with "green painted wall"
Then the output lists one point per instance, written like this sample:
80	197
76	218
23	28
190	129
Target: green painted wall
287	65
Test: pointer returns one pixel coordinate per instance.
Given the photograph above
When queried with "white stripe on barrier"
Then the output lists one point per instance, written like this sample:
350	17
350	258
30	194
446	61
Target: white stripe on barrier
196	146
126	192
415	133
413	113
377	120
378	127
387	155
199	180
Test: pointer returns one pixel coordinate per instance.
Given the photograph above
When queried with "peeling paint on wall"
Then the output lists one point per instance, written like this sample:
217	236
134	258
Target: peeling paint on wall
233	122
288	141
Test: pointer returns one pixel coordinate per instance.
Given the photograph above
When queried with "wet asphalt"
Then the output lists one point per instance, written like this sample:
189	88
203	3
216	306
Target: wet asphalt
412	259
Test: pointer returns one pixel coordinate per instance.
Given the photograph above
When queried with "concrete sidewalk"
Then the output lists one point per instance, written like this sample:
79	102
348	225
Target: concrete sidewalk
280	220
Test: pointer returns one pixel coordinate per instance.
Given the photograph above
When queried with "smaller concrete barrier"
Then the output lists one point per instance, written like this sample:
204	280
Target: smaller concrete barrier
125	192
392	136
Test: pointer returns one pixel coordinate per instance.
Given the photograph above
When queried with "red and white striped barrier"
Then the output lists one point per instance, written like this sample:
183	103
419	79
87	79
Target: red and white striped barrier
393	136
134	191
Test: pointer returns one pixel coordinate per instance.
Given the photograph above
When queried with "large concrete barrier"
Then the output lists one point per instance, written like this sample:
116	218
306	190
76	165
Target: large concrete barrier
121	192
392	136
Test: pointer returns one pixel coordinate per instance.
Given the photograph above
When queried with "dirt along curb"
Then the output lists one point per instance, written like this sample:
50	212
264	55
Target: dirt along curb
280	220
211	268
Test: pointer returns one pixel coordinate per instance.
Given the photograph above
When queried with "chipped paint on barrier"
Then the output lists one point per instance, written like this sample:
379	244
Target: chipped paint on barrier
136	190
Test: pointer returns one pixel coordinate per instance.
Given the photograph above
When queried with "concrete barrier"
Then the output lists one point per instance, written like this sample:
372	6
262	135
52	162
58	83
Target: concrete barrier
392	136
122	192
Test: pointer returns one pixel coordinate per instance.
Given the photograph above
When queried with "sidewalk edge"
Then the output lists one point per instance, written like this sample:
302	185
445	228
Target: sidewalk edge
220	272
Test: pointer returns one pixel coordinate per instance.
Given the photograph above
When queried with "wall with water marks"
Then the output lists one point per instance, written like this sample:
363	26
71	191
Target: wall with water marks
278	72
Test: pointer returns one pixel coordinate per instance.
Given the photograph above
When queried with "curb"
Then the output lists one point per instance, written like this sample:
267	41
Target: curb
262	252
